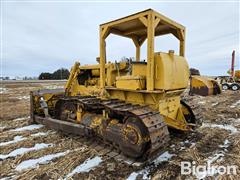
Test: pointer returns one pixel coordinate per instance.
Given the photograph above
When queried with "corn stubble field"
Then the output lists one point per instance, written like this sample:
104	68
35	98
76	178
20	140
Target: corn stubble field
31	151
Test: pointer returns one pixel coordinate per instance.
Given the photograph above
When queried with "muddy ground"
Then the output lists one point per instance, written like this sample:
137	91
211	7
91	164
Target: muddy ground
36	152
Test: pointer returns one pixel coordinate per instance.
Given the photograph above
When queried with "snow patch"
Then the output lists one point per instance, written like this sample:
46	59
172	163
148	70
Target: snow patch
214	104
23	97
15	140
132	176
235	104
21	118
27	128
2	127
8	178
86	166
166	156
53	87
236	121
172	146
20	138
215	157
32	163
182	148
226	144
192	144
218	156
3	90
202	102
163	157
220	126
40	134
22	151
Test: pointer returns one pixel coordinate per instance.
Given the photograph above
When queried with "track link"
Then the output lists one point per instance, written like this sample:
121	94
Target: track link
154	122
195	108
158	135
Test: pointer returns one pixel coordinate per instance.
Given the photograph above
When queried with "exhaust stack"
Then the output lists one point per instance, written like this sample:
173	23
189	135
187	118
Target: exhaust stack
233	62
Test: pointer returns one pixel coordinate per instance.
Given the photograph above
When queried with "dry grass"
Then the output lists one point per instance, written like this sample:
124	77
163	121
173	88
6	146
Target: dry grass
197	146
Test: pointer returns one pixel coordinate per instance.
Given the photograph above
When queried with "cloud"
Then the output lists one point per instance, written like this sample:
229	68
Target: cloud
40	37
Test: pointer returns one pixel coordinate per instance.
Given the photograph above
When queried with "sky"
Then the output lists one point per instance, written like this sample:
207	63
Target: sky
44	36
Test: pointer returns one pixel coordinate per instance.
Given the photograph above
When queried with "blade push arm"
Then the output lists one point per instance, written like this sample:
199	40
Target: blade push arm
73	74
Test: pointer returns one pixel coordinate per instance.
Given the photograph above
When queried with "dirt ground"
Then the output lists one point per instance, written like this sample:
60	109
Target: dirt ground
216	141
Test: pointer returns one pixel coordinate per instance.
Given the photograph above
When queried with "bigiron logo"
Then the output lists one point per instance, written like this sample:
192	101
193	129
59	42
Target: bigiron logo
202	171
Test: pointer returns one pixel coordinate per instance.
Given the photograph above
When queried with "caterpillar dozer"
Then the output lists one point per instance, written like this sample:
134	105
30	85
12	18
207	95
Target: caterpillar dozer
127	104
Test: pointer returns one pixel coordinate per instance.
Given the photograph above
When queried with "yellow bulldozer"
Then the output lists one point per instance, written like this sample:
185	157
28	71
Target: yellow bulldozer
127	104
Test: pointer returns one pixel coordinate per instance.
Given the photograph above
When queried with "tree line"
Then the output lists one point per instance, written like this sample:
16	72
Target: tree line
58	74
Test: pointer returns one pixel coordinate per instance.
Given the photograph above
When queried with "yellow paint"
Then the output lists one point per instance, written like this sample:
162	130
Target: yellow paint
157	83
237	74
79	114
131	82
139	69
199	82
138	27
172	71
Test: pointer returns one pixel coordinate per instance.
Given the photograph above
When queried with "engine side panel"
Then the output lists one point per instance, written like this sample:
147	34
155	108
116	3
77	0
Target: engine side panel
171	72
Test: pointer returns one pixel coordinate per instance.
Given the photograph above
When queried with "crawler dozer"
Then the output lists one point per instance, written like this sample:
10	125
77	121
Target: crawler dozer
128	104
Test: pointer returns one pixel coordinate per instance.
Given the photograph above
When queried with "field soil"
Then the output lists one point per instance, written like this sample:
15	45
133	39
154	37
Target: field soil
30	151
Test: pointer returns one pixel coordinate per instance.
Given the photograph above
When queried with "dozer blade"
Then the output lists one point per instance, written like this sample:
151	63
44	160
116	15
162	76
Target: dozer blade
102	149
64	126
204	86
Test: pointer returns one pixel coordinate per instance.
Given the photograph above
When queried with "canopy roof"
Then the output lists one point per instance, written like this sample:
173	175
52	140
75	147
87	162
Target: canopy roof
135	25
139	27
